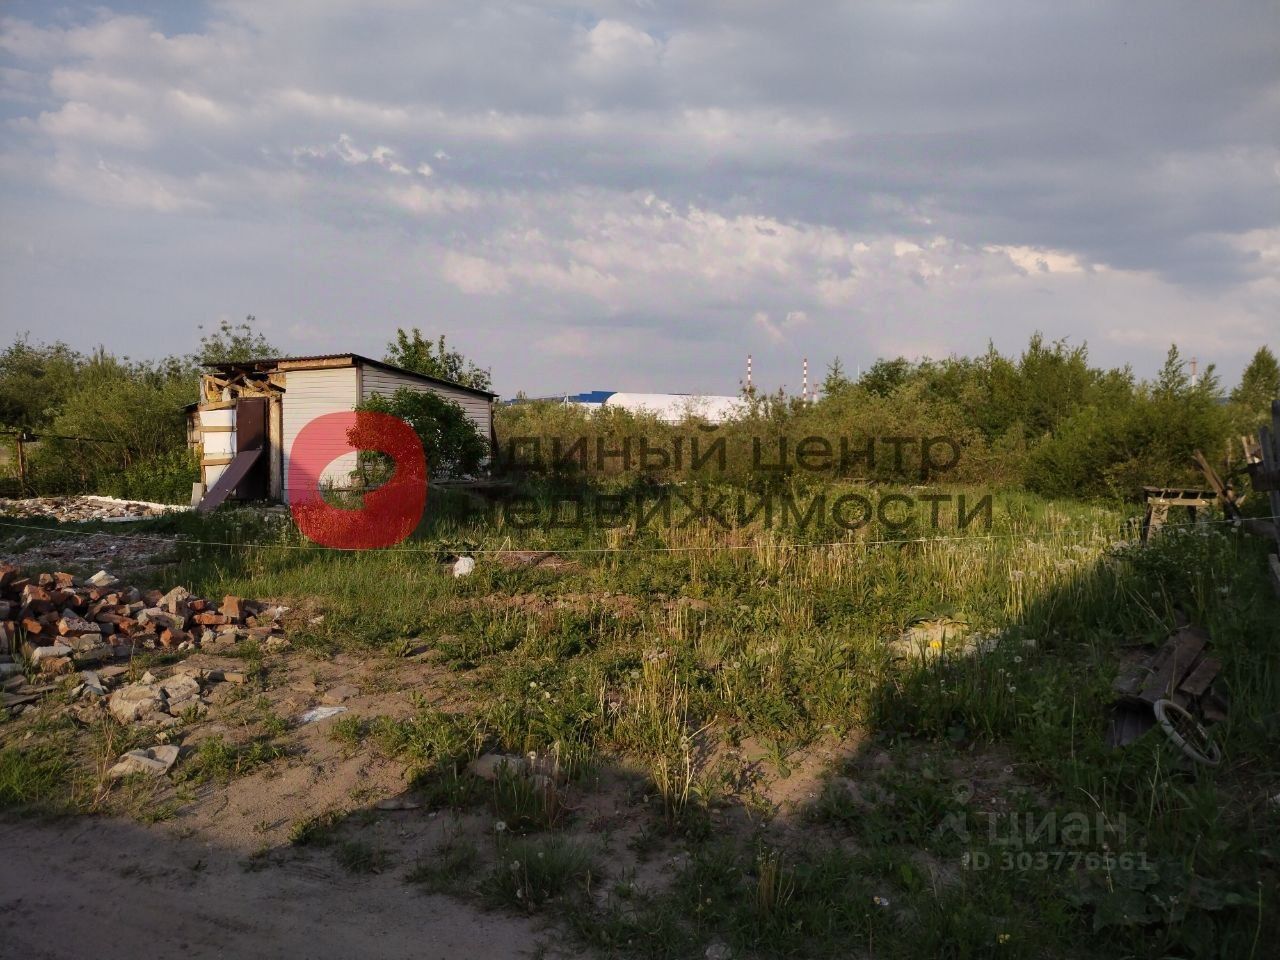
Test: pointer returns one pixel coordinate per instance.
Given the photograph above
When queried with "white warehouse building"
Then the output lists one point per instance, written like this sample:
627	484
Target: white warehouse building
668	407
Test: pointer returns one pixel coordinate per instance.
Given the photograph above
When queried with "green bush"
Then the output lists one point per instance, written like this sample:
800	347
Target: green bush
164	478
450	440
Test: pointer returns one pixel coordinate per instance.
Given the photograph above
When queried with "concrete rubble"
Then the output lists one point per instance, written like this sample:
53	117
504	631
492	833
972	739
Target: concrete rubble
36	550
61	632
149	762
82	508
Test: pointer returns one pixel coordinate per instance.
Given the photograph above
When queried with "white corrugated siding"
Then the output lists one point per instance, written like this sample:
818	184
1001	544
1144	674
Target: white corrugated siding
308	394
478	408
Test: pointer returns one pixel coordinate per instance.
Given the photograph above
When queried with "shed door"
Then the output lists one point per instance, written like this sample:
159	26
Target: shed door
251	434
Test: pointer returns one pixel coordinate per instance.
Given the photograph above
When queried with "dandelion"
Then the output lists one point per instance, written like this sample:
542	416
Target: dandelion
500	826
881	902
1012	688
1017	659
515	865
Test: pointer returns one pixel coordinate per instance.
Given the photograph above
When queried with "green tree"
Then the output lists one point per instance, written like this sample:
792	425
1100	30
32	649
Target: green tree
412	351
1259	385
1055	380
34	382
836	380
234	343
450	439
885	376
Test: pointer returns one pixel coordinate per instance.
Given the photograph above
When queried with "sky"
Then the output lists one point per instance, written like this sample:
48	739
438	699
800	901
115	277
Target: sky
636	195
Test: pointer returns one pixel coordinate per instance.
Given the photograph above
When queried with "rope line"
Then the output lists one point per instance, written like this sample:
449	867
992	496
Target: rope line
991	537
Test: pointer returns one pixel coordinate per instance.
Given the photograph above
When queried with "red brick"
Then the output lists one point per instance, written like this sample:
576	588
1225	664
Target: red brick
232	608
171	638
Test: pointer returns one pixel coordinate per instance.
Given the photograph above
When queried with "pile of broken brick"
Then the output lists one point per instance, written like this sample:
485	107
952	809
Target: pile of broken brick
56	625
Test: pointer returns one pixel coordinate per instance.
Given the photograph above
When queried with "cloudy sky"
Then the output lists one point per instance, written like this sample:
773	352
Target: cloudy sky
635	195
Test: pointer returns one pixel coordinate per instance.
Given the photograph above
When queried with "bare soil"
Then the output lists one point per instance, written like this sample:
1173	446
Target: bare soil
111	889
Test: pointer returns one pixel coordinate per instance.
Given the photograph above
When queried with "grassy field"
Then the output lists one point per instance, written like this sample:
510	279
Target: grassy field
797	788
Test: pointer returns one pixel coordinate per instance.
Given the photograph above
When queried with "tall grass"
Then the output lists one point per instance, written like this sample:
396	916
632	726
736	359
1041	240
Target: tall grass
679	643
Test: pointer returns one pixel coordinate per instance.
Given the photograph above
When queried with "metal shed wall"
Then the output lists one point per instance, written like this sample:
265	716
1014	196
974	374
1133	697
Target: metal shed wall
308	394
386	382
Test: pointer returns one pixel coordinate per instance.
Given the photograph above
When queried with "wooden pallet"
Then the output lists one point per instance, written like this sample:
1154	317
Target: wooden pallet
1180	671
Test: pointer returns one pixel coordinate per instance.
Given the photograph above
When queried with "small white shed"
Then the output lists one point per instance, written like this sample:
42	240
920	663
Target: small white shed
264	404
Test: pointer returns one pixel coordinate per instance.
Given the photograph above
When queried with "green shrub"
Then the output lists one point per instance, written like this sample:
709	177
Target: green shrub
164	478
450	440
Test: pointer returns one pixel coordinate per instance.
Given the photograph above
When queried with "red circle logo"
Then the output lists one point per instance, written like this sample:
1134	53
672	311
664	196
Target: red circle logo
390	513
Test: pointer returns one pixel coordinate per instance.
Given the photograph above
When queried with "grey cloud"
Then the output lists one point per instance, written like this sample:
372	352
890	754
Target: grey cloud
615	171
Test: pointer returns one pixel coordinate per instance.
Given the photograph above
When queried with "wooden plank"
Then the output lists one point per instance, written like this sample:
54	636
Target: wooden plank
1214	708
1128	722
320	363
229	480
1211	475
1271	461
1198	680
1176	657
1130	679
1259	528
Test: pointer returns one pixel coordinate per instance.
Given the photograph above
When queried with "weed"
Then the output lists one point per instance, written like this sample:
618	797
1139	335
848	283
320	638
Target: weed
528	801
356	856
533	873
41	778
349	730
449	869
313	831
216	759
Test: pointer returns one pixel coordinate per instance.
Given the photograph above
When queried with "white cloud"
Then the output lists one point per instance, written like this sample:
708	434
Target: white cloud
1033	260
127	187
80	121
198	108
613	47
473	275
423	201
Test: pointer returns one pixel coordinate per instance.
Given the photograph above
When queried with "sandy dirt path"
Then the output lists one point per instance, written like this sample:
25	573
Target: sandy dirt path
92	887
